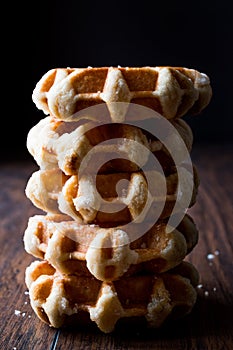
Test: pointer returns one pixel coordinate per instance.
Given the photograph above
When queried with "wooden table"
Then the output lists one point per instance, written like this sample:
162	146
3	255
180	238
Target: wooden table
209	326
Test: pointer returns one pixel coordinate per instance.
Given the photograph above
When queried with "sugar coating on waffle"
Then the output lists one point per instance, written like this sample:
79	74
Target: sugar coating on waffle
171	91
61	144
115	197
62	299
108	253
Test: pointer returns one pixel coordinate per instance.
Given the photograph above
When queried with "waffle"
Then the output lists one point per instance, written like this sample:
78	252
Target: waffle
170	91
64	300
108	253
116	198
65	144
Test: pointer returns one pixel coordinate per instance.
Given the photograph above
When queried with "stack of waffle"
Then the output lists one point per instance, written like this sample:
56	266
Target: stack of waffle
106	247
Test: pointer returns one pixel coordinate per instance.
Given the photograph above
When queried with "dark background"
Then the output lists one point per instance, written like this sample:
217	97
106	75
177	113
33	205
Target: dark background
43	35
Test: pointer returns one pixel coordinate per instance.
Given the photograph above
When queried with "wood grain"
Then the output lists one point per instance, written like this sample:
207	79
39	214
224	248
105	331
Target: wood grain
209	326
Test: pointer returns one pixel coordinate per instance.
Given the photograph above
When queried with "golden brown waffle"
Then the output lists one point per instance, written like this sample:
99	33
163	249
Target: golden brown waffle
61	300
116	198
108	253
60	144
171	91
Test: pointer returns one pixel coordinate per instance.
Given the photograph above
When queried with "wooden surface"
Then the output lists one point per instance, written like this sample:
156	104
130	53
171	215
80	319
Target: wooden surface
209	326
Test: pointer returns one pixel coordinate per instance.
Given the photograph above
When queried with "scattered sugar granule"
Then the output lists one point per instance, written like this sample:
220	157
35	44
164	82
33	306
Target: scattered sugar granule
199	286
216	252
214	289
14	348
210	256
206	293
17	312
29	316
25	302
23	314
26	292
